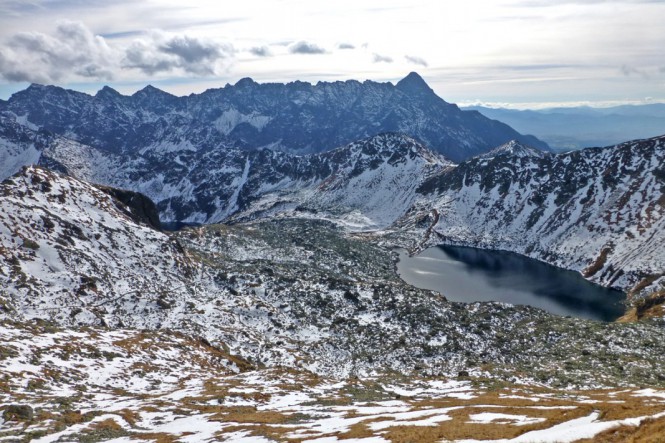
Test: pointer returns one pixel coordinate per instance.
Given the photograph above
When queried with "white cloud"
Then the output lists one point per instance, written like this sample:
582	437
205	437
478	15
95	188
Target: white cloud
630	70
261	51
72	51
345	46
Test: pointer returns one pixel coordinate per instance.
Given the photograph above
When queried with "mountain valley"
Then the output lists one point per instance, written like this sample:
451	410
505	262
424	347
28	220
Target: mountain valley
277	313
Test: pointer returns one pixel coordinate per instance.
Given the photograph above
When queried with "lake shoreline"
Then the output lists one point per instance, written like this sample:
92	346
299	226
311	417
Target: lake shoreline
468	274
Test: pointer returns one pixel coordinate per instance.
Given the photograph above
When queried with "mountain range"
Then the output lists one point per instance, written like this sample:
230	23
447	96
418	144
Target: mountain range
296	117
514	197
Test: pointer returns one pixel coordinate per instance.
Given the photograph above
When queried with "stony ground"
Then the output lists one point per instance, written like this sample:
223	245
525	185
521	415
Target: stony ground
92	384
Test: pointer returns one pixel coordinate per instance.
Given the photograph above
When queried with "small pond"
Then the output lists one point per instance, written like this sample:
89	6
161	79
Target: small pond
470	274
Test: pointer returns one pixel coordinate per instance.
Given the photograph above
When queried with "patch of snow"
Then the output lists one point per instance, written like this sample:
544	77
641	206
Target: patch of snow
492	417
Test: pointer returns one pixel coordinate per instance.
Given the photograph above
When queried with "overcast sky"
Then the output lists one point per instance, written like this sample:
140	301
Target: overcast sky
523	53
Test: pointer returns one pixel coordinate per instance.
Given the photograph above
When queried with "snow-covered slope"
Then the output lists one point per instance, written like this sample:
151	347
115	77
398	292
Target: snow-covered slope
368	184
287	292
514	149
69	244
600	211
294	117
19	146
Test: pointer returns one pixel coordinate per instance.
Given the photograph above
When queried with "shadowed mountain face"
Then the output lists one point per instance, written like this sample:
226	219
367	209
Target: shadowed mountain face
295	117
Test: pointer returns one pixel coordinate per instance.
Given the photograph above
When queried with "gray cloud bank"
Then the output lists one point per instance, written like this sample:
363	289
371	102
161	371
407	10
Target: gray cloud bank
378	58
346	46
261	51
416	60
73	52
303	47
166	54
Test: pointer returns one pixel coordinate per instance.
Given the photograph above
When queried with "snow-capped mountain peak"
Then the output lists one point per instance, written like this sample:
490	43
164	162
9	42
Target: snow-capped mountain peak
515	149
245	82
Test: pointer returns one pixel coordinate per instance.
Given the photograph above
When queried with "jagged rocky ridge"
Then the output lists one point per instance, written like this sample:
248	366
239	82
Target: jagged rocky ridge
376	176
295	117
288	292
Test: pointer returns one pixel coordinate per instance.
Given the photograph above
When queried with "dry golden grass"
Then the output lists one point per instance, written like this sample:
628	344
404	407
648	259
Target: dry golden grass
649	431
412	434
598	264
334	401
206	357
107	424
610	404
282	425
249	414
131	417
217	388
460	428
629	317
646	281
359	430
267	423
651	307
262	430
71	418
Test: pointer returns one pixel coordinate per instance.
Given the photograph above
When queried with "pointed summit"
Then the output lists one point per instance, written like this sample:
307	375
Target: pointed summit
414	84
245	82
107	92
150	90
154	99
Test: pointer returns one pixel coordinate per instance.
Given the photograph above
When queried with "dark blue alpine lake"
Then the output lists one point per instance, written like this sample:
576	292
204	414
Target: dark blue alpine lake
470	274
